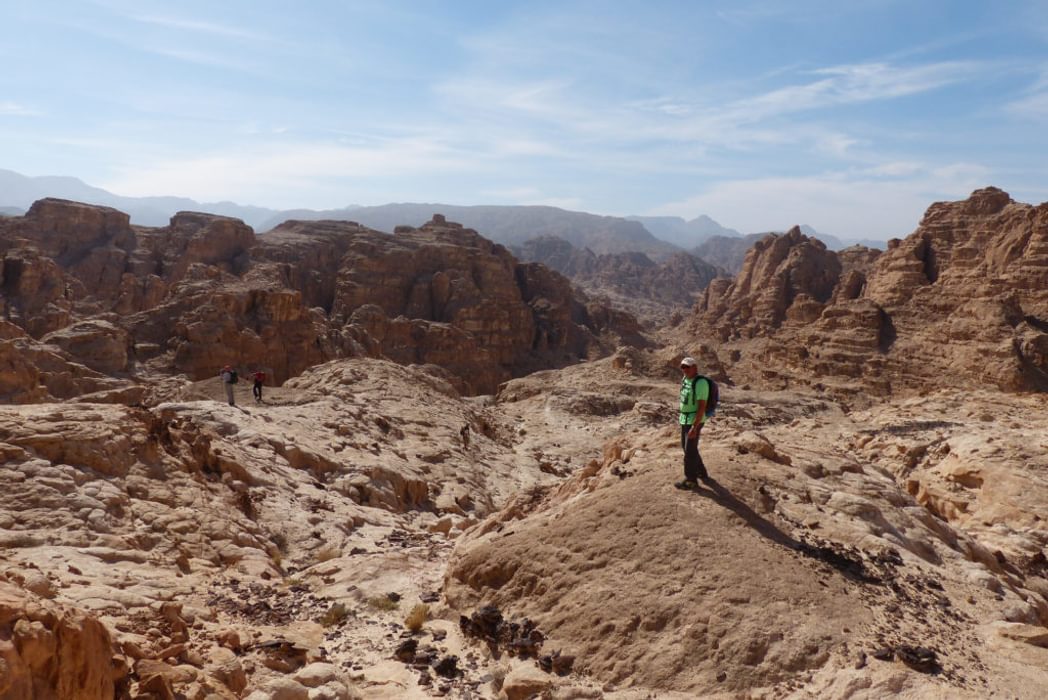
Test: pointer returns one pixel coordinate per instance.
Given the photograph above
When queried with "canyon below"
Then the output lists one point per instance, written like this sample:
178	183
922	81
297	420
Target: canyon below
459	481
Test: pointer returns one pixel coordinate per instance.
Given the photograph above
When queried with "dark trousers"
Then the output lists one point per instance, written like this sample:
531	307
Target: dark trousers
257	390
693	467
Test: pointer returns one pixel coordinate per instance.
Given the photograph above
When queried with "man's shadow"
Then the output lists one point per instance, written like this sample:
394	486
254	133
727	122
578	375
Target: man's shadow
850	565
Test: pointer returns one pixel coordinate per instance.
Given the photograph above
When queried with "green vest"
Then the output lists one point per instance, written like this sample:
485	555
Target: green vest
690	396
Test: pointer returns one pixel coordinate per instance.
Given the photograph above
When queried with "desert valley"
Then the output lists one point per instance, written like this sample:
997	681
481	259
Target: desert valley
459	481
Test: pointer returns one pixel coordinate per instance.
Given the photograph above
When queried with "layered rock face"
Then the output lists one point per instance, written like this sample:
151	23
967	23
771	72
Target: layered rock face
121	301
52	651
964	299
782	273
631	281
443	294
828	550
191	530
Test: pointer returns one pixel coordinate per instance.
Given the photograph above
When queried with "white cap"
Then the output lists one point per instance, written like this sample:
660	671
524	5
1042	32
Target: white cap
689	362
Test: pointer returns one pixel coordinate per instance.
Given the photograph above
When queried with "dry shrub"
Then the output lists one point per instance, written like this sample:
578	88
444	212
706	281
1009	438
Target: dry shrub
335	614
327	553
417	617
276	557
384	603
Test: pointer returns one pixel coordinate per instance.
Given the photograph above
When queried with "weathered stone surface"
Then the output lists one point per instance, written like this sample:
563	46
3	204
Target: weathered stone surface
203	292
50	650
779	271
99	344
37	295
441	294
964	299
632	281
526	681
280	689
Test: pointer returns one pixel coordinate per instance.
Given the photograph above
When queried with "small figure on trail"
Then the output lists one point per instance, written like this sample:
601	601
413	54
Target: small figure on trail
464	434
260	378
694	393
228	375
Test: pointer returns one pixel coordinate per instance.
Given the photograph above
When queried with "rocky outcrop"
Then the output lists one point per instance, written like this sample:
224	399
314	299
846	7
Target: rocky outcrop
962	300
53	651
202	292
98	343
440	273
443	294
784	275
37	294
673	591
630	281
186	528
557	254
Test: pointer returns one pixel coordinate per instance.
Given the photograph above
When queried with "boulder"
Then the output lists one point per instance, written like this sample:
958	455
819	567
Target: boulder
53	650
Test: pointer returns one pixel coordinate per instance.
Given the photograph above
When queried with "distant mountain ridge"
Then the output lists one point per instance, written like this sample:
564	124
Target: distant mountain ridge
656	236
19	191
649	290
503	224
686	234
513	225
695	234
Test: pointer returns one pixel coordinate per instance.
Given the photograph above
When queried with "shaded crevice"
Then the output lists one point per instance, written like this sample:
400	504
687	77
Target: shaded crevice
886	333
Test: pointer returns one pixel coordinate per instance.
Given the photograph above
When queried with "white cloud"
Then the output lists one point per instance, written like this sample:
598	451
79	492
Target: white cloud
14	109
845	204
531	196
198	26
203	58
841	85
1034	105
311	174
776	117
900	168
839	145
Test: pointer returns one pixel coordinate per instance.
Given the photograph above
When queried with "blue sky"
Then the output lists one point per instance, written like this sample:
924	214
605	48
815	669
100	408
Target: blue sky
849	116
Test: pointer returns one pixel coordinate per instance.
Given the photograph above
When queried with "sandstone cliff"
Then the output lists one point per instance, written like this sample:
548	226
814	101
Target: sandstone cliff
632	281
348	535
962	300
815	565
203	292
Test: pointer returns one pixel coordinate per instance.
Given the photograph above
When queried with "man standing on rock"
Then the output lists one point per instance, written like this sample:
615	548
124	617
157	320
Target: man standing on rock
229	378
694	392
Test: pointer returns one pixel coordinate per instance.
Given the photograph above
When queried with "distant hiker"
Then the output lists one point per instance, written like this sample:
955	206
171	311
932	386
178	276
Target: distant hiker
260	378
694	392
228	375
464	434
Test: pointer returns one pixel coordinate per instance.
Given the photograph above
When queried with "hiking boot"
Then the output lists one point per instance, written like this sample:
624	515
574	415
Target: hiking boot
686	485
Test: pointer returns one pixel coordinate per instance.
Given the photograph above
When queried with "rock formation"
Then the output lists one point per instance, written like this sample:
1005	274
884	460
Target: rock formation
370	529
49	650
798	569
962	300
204	292
630	281
445	295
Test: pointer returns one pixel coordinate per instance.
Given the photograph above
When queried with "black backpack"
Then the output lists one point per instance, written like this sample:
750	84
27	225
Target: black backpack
714	397
233	379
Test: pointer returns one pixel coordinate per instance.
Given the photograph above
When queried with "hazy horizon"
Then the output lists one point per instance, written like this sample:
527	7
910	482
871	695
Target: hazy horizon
851	118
